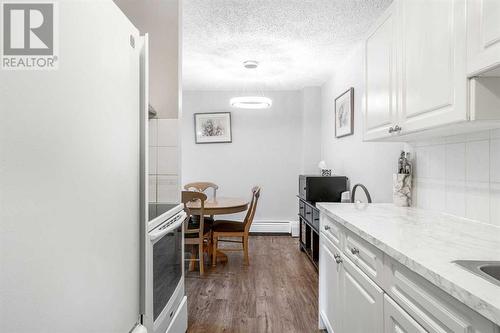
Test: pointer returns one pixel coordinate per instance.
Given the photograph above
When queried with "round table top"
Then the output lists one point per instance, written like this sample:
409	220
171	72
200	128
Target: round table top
220	205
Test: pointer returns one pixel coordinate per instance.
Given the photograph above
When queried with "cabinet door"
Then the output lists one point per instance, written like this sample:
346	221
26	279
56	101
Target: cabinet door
396	320
483	36
363	308
380	77
433	68
329	284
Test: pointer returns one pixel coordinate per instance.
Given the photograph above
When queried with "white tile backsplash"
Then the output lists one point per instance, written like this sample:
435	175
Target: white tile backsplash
430	194
455	198
163	161
437	156
168	133
495	160
455	162
478	136
152	189
167	161
153	160
153	132
495	134
477	167
477	201
168	189
495	203
460	175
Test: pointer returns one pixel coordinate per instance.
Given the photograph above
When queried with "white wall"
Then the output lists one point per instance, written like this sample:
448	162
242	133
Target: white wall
460	175
161	19
371	164
266	151
311	129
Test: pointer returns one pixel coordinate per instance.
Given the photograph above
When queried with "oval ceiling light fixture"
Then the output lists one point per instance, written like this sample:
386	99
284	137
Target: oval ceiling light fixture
251	102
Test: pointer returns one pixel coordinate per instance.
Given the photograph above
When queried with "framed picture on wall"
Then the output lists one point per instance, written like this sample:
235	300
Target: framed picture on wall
344	114
212	127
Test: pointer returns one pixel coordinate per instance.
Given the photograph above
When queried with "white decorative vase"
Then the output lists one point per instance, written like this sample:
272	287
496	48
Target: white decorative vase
401	193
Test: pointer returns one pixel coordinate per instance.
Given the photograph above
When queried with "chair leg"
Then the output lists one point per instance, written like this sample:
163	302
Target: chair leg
214	250
192	261
201	258
245	249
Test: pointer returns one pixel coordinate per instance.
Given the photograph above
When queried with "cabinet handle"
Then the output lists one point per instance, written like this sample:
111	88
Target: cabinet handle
327	227
397	128
354	251
338	258
391	130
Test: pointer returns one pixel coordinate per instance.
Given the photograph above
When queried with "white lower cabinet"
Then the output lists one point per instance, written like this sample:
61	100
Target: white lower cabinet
352	299
329	284
396	320
363	301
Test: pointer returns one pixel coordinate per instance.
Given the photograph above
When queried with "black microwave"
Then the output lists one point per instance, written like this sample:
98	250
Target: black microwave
322	189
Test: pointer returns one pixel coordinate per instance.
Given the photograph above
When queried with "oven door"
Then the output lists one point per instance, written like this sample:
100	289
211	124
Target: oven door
165	278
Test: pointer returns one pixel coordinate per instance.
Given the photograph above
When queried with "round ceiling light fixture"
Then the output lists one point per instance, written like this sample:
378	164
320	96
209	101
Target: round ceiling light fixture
252	101
251	64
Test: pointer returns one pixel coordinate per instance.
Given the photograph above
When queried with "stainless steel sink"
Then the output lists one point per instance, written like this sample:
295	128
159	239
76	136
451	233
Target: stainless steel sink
489	270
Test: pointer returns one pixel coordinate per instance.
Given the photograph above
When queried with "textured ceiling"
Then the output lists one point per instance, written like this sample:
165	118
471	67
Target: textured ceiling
297	42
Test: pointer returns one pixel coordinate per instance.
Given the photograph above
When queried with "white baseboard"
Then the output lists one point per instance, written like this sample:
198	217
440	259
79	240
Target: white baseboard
294	226
273	226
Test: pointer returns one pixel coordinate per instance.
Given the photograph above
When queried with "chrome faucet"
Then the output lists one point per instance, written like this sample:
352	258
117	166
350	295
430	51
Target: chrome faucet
353	192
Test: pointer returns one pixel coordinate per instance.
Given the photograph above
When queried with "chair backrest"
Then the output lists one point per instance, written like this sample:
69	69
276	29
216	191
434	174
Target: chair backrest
253	207
190	196
201	187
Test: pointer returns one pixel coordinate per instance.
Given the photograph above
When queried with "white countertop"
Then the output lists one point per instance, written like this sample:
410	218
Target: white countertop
427	242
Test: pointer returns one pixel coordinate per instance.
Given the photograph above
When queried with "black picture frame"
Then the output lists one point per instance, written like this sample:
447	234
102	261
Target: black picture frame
349	93
217	116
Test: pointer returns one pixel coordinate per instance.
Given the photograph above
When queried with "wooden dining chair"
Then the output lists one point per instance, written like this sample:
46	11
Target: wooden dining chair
202	187
226	228
196	232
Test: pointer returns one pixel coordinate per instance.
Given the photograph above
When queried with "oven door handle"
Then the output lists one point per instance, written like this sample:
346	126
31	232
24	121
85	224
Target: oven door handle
162	231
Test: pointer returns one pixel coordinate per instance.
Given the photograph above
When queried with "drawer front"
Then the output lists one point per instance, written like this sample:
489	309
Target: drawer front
397	320
432	308
366	256
331	230
308	214
315	218
302	209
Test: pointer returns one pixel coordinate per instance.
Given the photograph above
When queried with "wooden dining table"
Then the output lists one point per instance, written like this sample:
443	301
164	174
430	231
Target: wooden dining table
219	206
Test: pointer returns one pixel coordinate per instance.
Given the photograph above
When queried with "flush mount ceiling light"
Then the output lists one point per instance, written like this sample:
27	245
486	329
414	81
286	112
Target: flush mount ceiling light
252	101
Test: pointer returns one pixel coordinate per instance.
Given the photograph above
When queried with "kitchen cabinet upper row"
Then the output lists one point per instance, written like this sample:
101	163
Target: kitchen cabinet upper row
417	58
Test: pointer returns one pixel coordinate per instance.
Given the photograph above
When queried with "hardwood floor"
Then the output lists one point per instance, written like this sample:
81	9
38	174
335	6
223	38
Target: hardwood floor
277	293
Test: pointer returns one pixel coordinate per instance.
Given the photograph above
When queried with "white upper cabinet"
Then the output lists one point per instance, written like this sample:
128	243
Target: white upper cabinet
419	56
433	63
483	36
380	76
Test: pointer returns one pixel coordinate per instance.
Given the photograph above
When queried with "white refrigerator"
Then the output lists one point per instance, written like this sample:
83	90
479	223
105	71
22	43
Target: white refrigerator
72	175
